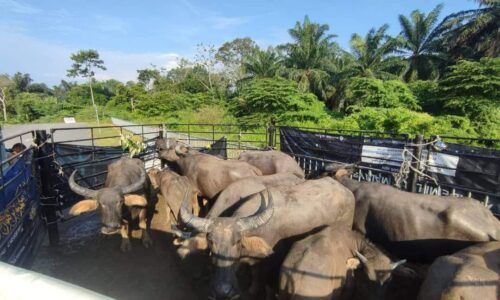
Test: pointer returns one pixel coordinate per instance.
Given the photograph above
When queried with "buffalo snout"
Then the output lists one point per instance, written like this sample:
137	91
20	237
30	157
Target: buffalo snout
224	290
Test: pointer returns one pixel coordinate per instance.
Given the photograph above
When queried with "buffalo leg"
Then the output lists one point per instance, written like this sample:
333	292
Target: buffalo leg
125	246
146	239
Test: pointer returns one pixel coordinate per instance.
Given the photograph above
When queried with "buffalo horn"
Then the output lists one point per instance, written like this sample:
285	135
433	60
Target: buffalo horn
260	218
80	190
137	185
197	223
178	150
361	257
394	265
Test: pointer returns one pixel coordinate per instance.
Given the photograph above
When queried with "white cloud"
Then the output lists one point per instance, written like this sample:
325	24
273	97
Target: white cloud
226	22
19	7
47	62
124	66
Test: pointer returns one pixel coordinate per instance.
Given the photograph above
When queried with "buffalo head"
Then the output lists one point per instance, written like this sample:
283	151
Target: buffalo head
109	200
378	269
172	150
228	239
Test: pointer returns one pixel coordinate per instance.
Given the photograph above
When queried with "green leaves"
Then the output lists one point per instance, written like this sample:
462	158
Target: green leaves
277	101
377	93
84	63
132	144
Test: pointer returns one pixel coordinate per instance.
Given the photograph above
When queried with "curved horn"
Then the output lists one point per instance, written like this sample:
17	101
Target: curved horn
258	219
80	190
197	223
394	265
178	150
361	257
137	185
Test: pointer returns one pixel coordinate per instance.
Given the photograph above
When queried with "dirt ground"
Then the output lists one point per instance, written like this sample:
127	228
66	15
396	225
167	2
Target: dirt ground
89	259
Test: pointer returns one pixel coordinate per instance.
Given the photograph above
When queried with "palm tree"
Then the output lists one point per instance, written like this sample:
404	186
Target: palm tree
308	56
262	63
373	54
473	33
421	44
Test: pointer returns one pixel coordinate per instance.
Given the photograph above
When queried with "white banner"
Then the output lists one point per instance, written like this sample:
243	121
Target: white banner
381	155
445	164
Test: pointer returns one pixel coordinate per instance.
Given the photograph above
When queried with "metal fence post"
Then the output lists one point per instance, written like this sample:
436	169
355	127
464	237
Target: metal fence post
48	197
415	162
271	131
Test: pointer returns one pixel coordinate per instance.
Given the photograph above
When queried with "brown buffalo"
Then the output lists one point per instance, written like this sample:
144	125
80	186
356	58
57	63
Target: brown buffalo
123	200
473	273
173	187
252	233
209	174
272	162
416	226
320	266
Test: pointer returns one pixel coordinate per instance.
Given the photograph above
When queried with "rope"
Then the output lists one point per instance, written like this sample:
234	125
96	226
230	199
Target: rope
407	167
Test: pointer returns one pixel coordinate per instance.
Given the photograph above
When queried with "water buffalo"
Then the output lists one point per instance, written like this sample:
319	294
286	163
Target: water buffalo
318	267
245	187
252	233
208	173
272	162
416	226
473	273
172	187
125	176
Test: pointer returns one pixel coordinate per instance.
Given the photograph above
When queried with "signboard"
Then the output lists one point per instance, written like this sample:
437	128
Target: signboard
382	155
69	120
441	163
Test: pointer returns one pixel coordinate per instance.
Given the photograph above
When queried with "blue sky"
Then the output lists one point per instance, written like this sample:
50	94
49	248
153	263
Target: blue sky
37	37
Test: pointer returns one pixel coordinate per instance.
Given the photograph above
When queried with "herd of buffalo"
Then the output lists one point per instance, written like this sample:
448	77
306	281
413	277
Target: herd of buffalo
324	236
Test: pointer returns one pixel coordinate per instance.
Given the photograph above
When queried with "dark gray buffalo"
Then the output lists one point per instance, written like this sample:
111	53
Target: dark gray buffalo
238	190
252	233
209	174
272	162
321	266
416	226
473	273
122	201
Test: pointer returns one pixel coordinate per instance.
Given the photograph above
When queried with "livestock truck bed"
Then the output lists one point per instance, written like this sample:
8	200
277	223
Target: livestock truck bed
94	261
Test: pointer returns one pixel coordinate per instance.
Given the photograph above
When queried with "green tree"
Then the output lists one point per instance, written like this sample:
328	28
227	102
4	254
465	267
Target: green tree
32	106
377	93
84	64
473	89
308	55
22	81
5	85
148	77
374	53
262	63
277	101
473	33
422	46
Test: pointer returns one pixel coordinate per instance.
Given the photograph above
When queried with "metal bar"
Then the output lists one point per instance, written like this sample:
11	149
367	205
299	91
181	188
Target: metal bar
45	163
417	153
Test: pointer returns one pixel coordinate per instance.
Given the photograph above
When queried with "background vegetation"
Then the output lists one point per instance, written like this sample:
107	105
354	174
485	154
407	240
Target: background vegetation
438	76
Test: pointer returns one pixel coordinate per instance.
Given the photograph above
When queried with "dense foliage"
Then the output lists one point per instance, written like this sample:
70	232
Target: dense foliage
438	76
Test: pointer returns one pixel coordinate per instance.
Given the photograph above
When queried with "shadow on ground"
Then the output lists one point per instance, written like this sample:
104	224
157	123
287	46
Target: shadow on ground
94	261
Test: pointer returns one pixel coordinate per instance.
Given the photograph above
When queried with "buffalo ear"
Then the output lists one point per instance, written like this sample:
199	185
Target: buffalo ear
83	206
256	246
342	172
135	200
353	263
